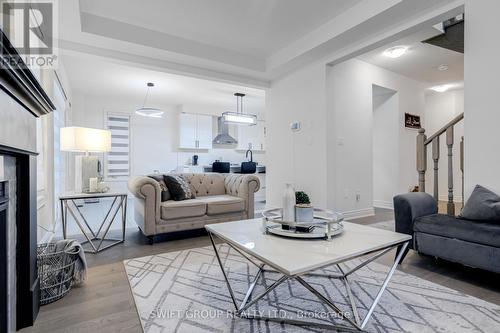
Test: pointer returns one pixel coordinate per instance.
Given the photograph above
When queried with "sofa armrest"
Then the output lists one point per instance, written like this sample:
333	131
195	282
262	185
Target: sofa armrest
409	206
147	193
243	186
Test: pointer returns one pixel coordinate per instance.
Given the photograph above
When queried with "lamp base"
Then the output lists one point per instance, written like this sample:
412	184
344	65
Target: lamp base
86	167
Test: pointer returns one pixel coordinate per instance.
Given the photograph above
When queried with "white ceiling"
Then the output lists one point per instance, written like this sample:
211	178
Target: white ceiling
256	27
96	77
238	41
421	62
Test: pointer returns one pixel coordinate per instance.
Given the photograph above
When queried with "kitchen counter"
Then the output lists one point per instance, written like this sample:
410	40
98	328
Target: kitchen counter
236	168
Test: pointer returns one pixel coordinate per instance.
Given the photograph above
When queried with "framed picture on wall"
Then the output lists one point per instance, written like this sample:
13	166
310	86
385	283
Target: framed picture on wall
412	121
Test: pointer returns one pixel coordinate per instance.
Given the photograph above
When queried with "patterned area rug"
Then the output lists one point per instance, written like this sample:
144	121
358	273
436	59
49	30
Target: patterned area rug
185	292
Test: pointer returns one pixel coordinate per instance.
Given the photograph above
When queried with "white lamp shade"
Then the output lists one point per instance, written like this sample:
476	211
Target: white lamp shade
83	139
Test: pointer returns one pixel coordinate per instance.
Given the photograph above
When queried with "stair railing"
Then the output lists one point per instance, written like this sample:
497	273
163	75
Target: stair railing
422	143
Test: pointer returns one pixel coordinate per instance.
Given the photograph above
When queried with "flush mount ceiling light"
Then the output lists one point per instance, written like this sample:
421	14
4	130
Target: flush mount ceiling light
395	51
239	117
441	88
148	111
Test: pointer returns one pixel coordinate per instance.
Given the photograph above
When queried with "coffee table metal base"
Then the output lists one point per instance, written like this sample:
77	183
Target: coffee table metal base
355	324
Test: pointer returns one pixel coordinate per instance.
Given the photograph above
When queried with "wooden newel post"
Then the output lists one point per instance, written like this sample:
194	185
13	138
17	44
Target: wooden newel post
435	158
421	159
462	168
449	142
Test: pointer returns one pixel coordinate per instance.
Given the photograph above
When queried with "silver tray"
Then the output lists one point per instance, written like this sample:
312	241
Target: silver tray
326	224
319	232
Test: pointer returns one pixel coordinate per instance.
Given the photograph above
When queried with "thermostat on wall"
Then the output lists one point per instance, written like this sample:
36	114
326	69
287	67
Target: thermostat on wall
295	126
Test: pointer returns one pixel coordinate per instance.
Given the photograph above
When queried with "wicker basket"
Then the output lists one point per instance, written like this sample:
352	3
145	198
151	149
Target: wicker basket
55	270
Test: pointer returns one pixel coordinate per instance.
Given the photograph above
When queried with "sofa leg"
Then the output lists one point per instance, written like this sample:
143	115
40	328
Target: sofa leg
151	240
404	253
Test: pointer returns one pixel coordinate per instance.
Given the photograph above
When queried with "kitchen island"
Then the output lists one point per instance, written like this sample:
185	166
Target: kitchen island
236	168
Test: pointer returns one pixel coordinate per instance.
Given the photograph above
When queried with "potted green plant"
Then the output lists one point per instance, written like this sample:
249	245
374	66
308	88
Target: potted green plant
304	211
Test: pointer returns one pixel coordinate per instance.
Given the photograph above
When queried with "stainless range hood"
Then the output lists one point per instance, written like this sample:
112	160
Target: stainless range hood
223	137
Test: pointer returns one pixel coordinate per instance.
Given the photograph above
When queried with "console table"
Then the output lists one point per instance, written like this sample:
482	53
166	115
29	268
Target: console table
68	204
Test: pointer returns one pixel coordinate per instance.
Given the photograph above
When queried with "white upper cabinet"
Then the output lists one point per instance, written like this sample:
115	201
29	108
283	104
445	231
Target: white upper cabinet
204	131
195	131
252	137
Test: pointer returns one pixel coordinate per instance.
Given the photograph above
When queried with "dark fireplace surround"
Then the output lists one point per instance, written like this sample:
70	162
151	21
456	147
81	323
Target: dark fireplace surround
22	87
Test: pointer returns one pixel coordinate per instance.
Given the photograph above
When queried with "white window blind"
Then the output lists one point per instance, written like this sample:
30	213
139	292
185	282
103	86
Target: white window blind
118	160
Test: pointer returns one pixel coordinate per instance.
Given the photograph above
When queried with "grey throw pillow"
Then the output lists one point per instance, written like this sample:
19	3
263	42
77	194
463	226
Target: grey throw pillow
178	187
165	195
483	205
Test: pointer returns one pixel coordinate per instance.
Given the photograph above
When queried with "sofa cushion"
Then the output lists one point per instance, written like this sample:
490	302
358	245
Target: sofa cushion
483	205
178	187
451	227
223	204
171	210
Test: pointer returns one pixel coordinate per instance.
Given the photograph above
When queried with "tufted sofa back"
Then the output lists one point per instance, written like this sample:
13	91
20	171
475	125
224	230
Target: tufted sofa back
205	184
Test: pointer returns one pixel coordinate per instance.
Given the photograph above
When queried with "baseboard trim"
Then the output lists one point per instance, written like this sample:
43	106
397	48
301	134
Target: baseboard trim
358	213
383	204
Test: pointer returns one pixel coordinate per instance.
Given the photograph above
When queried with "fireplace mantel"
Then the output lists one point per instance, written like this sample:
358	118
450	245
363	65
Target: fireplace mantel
20	83
22	99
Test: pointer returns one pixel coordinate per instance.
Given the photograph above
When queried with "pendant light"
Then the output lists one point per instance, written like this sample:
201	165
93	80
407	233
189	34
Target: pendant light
148	111
239	117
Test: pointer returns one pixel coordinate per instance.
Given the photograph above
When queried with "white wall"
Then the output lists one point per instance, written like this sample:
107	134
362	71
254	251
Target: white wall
385	143
351	126
333	152
154	141
440	108
482	73
299	157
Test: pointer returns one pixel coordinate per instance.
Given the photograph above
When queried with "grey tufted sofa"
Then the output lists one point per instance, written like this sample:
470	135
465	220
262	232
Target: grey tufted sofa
219	198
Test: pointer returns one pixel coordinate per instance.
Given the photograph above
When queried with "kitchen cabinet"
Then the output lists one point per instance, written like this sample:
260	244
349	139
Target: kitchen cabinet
195	131
252	137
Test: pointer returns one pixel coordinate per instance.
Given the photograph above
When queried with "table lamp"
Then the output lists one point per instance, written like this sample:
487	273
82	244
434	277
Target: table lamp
85	140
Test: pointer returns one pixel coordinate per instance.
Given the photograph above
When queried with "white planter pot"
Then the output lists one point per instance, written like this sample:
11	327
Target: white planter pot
304	214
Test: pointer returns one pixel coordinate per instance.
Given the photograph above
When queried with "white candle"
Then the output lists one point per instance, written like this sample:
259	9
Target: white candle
93	185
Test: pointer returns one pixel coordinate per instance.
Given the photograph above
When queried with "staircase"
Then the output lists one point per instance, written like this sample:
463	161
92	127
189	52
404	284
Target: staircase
422	145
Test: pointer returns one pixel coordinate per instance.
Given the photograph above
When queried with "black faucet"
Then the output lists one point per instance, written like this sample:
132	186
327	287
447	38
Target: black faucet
251	155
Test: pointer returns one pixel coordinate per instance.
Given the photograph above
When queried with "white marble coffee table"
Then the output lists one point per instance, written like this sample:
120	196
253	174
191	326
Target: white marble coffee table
296	259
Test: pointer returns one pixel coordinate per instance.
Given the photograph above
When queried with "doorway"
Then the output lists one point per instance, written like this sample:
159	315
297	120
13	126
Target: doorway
385	146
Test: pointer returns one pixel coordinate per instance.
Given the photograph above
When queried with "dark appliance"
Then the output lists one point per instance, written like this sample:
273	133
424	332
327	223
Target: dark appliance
195	159
248	167
221	167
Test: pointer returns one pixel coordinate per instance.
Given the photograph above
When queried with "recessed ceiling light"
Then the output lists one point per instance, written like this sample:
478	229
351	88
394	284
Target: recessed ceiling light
443	67
441	88
395	51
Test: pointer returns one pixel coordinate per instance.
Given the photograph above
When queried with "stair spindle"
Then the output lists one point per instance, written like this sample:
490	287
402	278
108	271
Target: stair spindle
421	159
449	142
462	168
435	158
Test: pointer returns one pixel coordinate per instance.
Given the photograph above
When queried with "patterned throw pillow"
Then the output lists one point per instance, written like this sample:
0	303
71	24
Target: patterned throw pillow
178	187
165	195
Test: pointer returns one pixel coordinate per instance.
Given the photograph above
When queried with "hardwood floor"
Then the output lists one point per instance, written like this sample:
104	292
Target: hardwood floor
105	304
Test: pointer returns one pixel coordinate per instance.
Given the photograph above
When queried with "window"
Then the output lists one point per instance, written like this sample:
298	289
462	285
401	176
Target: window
118	160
